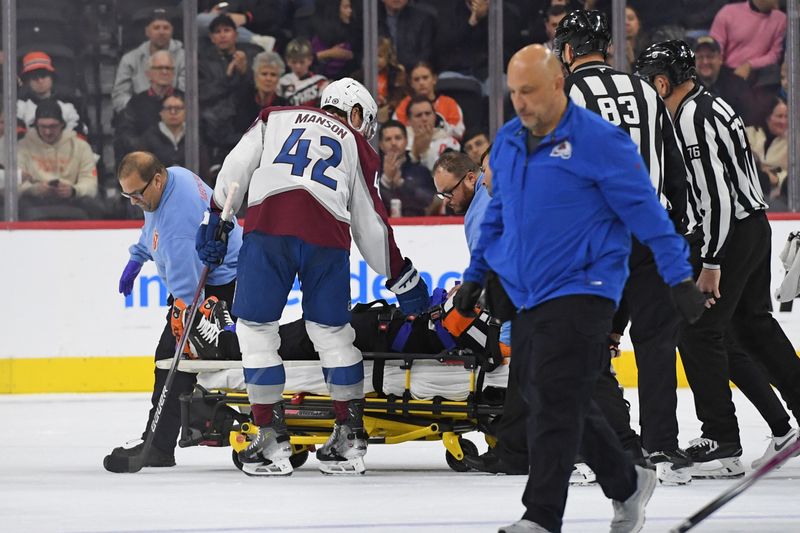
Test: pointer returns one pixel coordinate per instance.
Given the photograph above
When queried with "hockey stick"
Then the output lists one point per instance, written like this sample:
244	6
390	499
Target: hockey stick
135	463
741	486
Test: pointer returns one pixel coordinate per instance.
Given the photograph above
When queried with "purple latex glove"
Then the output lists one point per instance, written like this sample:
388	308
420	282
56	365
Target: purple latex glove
128	276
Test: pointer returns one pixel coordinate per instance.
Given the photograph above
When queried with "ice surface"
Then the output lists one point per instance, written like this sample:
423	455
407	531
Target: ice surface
52	479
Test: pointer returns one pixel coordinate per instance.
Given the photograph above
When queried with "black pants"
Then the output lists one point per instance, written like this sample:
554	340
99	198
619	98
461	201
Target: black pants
654	333
169	424
751	379
560	348
512	429
745	307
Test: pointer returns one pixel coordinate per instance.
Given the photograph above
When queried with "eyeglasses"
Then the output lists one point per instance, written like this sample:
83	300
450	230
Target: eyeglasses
163	69
173	108
139	195
448	194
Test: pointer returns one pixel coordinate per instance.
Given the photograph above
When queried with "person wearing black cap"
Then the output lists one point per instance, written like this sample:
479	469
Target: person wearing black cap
132	70
719	79
57	167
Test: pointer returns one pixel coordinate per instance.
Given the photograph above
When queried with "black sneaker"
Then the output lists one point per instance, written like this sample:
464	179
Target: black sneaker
491	463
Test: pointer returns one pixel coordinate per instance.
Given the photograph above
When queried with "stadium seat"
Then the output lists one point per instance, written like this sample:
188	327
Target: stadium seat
469	95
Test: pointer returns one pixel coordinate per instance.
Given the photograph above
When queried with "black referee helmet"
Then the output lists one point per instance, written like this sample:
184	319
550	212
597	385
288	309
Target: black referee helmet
585	31
673	59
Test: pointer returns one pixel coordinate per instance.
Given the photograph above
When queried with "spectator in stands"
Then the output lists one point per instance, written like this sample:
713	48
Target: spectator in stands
661	19
223	75
57	167
410	29
38	84
771	147
634	36
142	111
537	14
337	39
406	187
554	16
165	139
462	37
719	79
301	86
423	83
427	137
132	71
252	17
750	35
475	143
392	87
268	67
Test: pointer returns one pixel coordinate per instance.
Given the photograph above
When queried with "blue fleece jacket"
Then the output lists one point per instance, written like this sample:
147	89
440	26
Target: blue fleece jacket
560	218
168	236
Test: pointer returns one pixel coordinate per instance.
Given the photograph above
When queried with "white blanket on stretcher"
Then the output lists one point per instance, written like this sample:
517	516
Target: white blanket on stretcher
429	378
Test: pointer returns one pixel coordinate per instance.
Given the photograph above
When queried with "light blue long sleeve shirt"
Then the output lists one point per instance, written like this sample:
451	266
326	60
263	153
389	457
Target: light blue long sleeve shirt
472	228
168	236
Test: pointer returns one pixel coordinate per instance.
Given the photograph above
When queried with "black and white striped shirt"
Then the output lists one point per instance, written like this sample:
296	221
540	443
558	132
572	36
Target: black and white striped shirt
724	184
633	104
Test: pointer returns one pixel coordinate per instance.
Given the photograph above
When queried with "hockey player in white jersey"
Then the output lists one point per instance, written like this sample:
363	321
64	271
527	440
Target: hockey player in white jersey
311	177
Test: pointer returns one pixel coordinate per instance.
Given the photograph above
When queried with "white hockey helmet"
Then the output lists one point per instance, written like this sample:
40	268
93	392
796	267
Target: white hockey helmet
345	94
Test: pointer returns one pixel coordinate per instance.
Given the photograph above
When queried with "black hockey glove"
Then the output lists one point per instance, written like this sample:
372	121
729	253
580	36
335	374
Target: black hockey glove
467	296
689	301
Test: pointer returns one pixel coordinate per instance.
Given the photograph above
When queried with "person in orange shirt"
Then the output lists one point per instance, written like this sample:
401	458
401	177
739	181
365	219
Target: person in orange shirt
423	82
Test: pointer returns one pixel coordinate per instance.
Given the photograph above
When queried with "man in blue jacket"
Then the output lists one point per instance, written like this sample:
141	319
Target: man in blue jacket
568	190
174	201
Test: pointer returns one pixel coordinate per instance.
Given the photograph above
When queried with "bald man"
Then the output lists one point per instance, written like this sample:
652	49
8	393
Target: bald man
568	190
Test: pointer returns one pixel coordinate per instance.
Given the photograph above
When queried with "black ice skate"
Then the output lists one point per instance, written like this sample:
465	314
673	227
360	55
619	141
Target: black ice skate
228	342
673	467
344	452
715	460
269	452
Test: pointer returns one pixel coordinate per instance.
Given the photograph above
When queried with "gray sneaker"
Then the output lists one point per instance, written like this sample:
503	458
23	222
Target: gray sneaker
629	515
523	526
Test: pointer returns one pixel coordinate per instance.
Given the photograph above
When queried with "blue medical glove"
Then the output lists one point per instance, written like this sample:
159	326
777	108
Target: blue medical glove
411	290
129	276
211	241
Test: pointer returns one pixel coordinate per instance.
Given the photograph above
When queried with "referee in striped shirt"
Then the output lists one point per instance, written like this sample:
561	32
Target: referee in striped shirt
731	254
581	43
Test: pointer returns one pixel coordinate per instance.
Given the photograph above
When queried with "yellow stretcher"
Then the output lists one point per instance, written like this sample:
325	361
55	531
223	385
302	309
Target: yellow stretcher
218	417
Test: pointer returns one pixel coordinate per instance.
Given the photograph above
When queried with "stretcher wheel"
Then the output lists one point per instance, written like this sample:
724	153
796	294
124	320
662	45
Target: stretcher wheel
469	449
299	459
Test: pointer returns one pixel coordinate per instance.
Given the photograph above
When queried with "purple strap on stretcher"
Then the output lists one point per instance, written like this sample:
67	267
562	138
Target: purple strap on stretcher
444	336
402	337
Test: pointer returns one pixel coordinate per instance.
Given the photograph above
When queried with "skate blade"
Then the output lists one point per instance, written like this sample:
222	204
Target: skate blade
728	468
350	467
582	476
279	467
669	476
